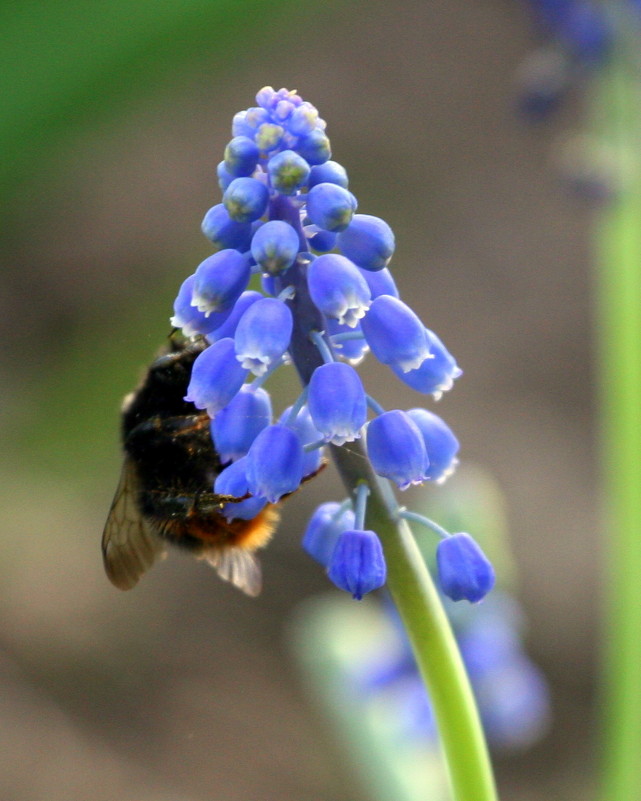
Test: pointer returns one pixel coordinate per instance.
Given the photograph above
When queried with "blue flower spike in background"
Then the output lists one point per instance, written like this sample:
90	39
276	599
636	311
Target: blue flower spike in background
321	311
596	48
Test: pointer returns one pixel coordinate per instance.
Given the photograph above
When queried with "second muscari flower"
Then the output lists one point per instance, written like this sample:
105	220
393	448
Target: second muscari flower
241	156
353	351
368	241
314	147
288	171
330	207
330	172
246	199
227	322
380	282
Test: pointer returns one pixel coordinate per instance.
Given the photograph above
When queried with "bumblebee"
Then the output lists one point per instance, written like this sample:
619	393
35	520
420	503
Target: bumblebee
165	491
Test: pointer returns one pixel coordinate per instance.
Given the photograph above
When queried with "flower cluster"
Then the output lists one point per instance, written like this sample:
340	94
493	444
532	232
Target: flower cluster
576	38
326	298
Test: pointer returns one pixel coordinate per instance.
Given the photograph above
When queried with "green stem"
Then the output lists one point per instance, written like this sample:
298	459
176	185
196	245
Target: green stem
618	279
429	631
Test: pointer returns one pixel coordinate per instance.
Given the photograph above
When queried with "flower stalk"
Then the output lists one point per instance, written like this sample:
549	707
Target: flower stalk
617	120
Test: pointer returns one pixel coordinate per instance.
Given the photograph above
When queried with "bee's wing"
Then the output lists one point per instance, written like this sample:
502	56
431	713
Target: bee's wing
238	566
129	544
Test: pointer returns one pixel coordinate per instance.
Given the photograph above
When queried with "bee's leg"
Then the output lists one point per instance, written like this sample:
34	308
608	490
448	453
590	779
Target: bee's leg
207	503
173	427
185	505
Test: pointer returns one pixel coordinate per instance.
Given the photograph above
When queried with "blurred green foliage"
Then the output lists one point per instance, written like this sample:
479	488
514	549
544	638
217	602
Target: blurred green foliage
65	63
66	67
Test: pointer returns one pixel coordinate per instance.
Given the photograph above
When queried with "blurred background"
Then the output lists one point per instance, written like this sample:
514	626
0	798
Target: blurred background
116	116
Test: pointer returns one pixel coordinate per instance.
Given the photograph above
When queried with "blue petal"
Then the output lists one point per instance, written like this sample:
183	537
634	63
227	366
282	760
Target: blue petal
220	280
463	569
436	374
236	426
233	481
368	241
275	246
357	564
352	351
287	172
338	289
246	122
380	282
395	334
224	232
323	530
330	207
337	403
320	241
224	177
396	449
269	136
307	433
246	199
514	704
440	443
330	172
275	463
228	326
188	318
263	334
241	156
314	147
303	120
216	377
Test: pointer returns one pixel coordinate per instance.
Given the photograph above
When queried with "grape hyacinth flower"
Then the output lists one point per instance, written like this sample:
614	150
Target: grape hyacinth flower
322	296
323	311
